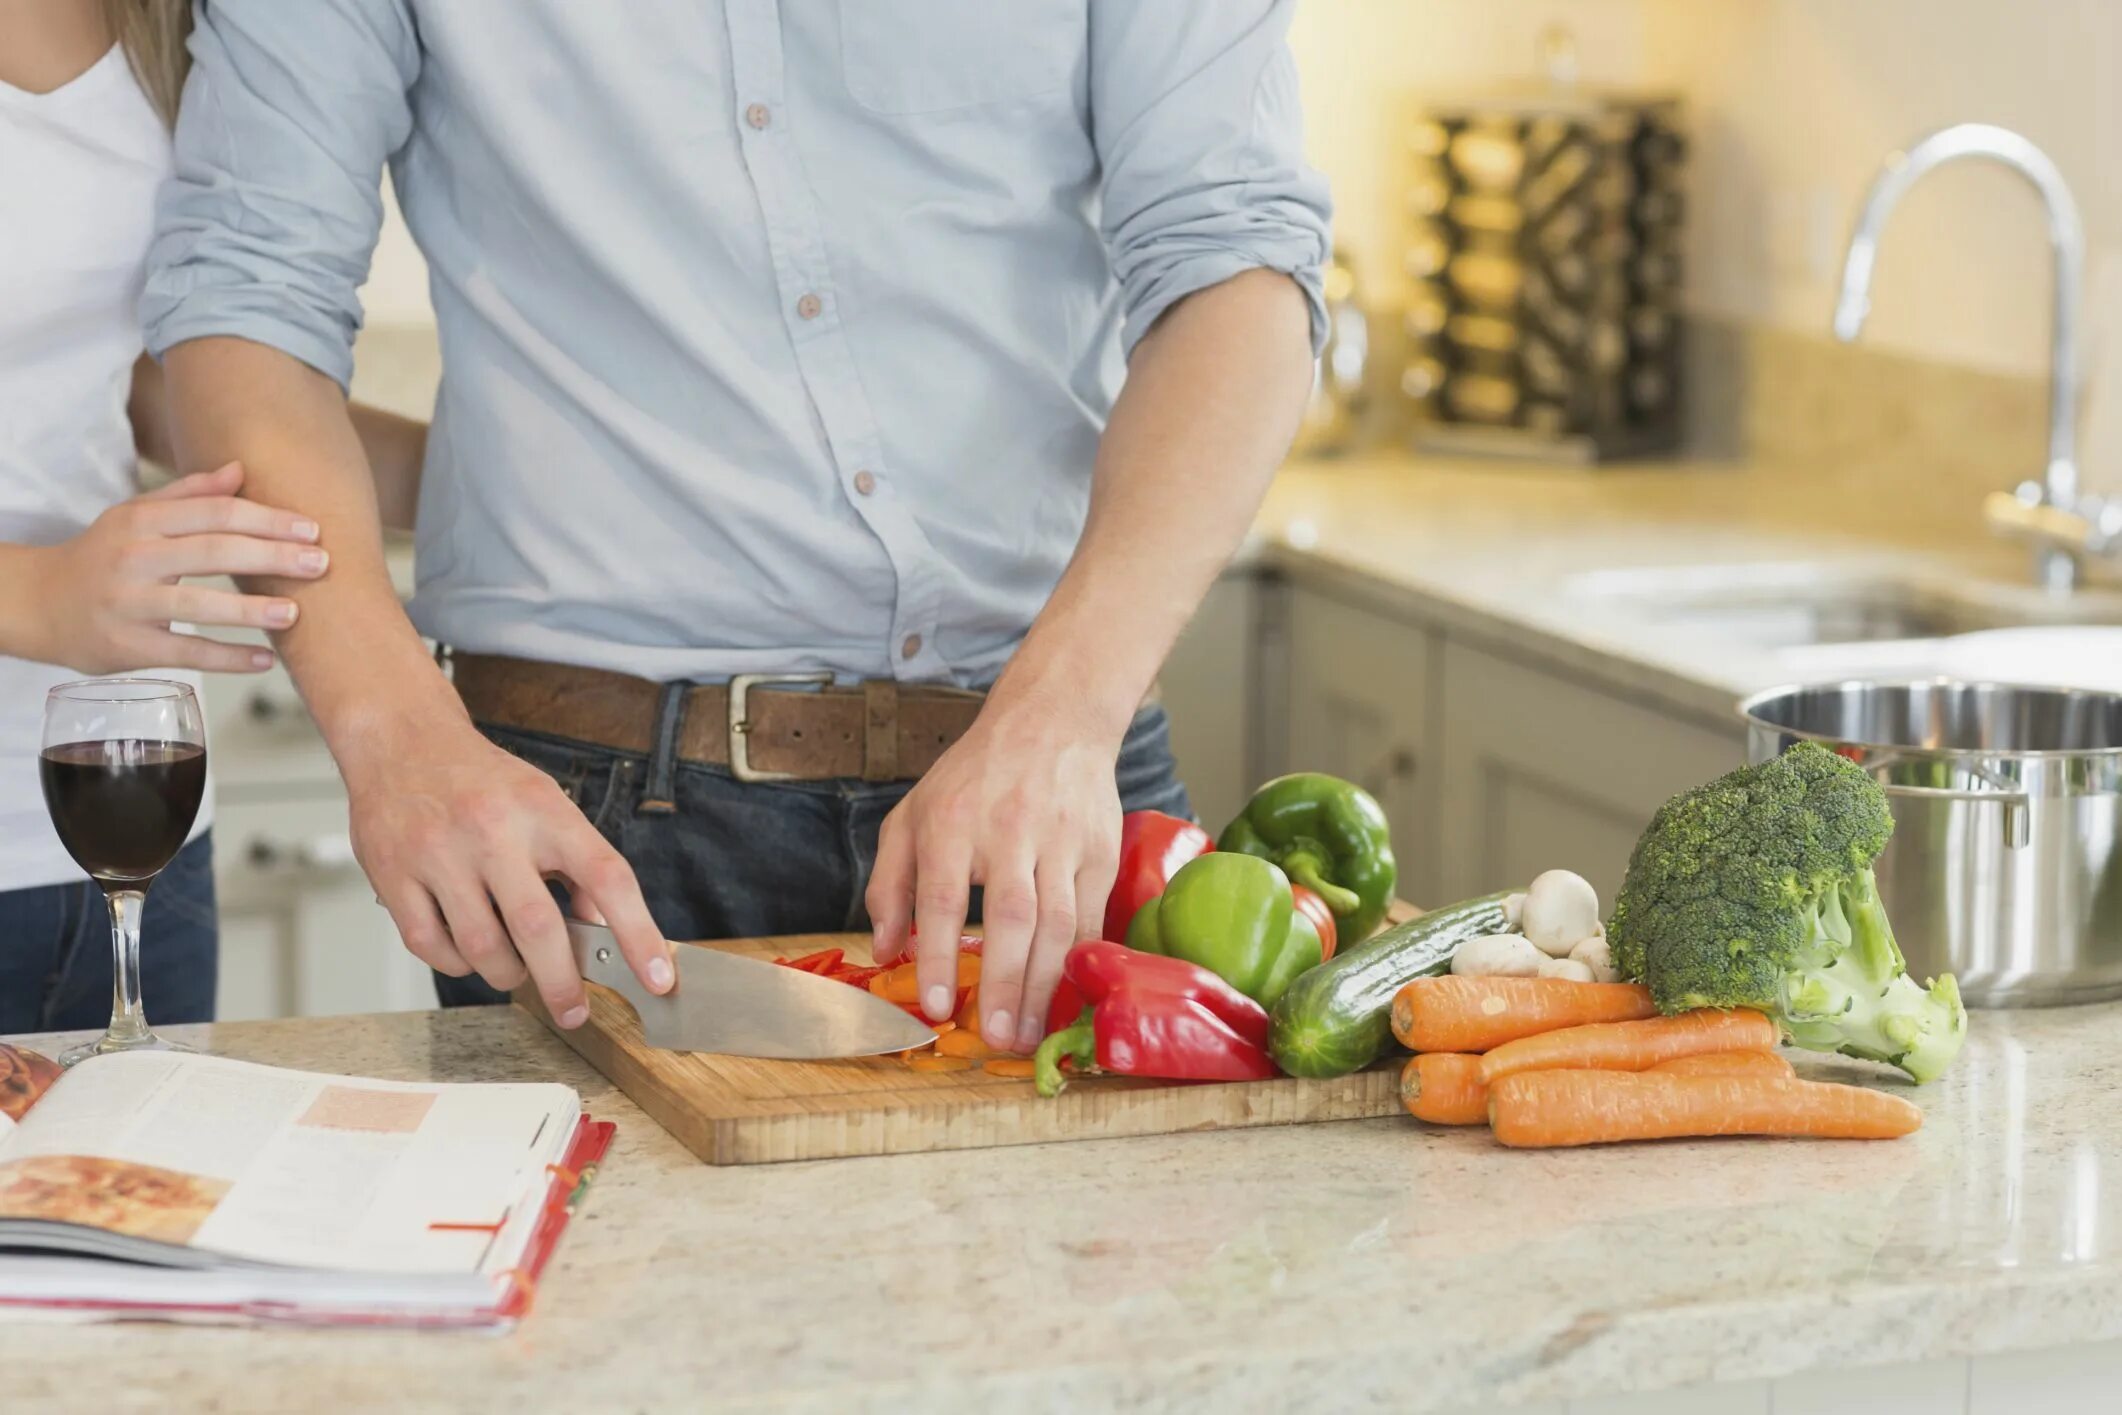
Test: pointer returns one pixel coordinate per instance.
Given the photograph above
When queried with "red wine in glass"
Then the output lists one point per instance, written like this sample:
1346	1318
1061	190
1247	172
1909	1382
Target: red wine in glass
124	769
124	805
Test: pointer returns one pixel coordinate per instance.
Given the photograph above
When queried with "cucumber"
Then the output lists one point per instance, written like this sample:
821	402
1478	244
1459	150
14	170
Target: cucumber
1337	1018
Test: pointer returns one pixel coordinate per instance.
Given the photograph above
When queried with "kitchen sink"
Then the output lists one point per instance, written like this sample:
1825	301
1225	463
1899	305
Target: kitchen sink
1791	606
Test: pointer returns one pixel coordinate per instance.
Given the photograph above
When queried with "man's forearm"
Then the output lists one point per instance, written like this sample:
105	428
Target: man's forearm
1213	396
234	400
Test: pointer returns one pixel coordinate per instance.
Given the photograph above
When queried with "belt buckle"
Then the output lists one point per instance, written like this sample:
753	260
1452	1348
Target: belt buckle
740	757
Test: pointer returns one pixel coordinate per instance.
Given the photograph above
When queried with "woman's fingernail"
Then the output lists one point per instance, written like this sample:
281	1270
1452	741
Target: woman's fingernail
305	530
313	560
575	1016
1027	1035
660	975
261	660
938	1004
280	615
999	1027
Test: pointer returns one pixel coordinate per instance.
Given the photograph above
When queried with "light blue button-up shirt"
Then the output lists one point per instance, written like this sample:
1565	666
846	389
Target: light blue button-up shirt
777	335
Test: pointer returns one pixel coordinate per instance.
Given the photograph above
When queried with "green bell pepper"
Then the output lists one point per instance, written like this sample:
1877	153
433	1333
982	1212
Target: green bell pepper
1232	915
1330	836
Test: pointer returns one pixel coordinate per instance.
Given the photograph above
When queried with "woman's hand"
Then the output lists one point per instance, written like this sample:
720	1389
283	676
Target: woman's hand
104	601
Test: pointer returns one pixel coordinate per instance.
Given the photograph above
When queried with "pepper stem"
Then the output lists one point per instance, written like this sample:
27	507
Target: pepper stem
1305	869
1076	1042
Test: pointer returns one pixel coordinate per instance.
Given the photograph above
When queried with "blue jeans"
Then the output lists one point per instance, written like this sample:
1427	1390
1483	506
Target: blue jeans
55	950
744	860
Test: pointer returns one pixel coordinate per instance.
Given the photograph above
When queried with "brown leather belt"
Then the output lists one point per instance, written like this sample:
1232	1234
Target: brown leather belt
758	725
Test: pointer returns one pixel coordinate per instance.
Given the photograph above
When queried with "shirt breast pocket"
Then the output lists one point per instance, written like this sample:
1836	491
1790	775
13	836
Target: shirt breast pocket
904	57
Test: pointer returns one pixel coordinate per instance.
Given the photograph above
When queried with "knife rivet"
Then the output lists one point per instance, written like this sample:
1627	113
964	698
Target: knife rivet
604	955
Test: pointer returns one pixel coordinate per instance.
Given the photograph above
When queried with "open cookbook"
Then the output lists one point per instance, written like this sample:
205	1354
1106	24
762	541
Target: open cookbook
174	1186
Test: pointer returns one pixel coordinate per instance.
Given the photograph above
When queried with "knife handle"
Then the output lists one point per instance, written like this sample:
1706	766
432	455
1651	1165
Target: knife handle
598	960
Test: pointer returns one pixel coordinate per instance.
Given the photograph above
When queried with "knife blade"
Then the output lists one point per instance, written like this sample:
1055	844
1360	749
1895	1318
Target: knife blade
747	1007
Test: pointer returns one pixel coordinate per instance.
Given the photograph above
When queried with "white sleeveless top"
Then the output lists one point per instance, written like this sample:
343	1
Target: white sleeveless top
79	167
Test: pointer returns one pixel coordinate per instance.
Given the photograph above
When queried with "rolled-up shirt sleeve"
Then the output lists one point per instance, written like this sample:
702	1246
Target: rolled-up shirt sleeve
267	226
1195	114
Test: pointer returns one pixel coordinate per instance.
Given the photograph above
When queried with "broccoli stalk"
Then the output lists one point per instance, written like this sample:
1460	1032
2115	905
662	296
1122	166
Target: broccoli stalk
1851	992
1757	891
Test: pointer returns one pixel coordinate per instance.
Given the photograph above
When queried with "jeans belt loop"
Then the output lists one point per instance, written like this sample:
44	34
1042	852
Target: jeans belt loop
660	796
880	730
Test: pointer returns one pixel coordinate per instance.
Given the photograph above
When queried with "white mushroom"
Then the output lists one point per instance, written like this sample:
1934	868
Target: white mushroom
1498	956
1561	911
1597	954
1513	909
1568	968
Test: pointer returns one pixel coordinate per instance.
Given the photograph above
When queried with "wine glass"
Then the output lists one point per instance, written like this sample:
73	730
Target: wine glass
124	768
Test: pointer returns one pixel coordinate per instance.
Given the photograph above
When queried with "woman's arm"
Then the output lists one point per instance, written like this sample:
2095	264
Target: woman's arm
394	446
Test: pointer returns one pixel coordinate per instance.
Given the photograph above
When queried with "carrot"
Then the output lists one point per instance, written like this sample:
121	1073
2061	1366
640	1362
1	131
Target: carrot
1729	1063
1542	1109
1017	1067
1444	1088
923	1061
946	1025
969	1010
1475	1014
902	984
966	1042
1631	1046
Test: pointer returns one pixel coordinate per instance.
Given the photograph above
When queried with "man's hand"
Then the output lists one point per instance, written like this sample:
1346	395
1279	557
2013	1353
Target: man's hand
1024	805
459	837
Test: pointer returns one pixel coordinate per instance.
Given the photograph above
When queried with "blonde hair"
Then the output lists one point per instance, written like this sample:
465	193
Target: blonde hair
152	33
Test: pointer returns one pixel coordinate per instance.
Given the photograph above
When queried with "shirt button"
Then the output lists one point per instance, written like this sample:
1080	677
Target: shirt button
865	483
758	115
910	646
810	306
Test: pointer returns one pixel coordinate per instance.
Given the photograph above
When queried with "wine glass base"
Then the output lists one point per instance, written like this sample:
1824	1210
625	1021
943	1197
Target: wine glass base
106	1044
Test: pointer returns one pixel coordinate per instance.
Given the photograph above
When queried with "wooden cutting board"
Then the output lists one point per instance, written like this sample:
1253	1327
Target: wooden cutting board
738	1110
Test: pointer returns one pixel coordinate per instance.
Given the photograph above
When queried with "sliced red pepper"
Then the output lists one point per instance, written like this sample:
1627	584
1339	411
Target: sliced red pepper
1148	1015
1153	846
822	962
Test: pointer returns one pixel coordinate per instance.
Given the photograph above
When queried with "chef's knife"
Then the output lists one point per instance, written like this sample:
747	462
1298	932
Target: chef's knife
748	1007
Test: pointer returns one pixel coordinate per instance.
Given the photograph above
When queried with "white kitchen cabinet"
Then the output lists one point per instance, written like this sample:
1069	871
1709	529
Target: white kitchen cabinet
1208	689
1359	692
1543	772
301	932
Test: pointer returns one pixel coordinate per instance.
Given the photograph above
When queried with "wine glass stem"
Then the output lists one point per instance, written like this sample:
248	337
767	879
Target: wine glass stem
128	1020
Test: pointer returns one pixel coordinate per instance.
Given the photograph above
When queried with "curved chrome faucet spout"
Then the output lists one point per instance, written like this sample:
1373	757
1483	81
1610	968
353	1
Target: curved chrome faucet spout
2058	486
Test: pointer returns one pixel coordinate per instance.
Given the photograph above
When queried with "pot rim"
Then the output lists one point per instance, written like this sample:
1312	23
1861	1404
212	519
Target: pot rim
1749	710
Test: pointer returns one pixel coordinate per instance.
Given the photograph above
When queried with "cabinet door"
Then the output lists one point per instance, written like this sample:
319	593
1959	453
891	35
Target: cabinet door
1359	697
302	934
1207	686
1541	772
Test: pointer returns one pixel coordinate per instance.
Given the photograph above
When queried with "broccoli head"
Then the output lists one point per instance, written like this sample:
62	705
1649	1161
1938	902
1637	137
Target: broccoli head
1756	890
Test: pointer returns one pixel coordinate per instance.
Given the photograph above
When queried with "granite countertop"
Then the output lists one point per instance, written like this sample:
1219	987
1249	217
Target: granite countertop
1537	561
1316	1267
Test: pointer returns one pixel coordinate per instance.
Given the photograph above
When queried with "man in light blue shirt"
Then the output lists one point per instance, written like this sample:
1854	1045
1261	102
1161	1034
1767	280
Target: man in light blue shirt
780	337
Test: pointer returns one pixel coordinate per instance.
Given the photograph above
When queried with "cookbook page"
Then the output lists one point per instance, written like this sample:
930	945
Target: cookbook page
25	1076
288	1167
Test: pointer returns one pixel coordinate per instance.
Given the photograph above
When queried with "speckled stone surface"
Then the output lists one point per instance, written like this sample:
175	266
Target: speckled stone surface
1325	1267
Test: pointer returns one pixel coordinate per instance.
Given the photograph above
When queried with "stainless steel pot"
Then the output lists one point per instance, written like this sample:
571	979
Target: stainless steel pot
2006	864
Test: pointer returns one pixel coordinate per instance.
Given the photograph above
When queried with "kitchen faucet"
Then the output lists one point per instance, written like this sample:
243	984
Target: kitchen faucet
2050	512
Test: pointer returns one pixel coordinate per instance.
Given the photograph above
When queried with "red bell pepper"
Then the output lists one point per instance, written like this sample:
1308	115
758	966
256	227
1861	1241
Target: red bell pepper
1148	1015
1152	847
1312	907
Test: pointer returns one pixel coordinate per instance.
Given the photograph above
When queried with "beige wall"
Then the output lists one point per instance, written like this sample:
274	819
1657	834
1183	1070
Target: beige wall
1795	102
